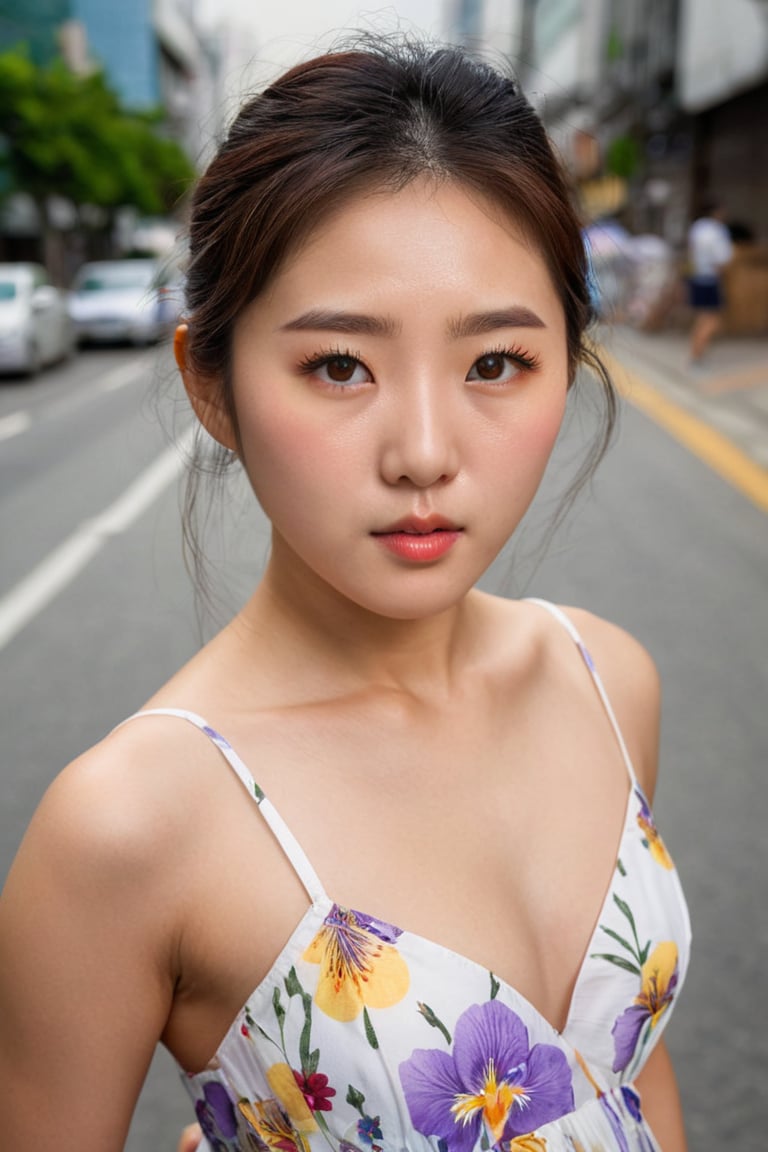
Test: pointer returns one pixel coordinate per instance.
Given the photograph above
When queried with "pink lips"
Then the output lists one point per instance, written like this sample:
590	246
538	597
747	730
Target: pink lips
420	540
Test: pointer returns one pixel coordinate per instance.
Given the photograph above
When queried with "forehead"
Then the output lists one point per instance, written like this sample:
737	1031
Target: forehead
428	238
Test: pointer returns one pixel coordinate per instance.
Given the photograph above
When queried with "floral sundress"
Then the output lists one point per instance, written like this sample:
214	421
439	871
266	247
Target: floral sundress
366	1038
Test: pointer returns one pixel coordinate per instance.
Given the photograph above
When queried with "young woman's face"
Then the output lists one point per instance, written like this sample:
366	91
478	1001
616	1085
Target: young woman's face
399	389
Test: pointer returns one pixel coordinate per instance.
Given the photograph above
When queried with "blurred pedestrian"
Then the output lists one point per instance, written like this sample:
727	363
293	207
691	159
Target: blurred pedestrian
387	305
709	249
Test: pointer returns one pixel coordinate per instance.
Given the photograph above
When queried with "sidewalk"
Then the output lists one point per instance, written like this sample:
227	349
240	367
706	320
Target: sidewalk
729	393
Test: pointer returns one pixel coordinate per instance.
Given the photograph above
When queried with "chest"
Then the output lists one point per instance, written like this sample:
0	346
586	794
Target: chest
475	834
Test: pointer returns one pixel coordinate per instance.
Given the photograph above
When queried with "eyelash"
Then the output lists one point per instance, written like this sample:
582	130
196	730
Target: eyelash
311	364
528	362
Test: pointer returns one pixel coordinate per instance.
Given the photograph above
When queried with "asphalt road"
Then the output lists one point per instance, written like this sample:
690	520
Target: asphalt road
660	545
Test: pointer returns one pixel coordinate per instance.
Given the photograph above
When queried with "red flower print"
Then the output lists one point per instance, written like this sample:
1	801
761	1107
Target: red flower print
315	1090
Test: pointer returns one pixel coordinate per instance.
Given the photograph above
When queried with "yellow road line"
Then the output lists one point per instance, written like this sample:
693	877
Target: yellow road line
716	450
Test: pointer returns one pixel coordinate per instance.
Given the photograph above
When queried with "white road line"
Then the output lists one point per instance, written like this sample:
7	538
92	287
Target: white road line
118	378
14	424
138	367
125	374
32	594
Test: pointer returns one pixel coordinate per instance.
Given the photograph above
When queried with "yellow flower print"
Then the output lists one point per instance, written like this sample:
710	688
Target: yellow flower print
269	1123
651	837
658	981
282	1081
359	966
528	1143
659	976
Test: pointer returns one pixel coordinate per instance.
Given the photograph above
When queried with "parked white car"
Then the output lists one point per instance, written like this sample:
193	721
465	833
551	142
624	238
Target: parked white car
120	300
35	327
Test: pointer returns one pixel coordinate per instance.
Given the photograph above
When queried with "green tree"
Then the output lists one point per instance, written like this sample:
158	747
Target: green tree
67	135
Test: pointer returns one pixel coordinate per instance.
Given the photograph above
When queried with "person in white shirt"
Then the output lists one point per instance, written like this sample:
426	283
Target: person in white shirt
709	250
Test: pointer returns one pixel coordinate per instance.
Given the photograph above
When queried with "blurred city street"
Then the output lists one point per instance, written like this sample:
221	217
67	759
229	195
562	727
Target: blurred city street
729	392
664	547
658	111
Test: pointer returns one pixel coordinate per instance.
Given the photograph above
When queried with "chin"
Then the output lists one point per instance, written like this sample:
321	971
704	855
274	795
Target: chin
410	603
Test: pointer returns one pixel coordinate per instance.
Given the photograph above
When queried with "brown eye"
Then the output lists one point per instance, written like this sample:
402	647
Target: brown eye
337	370
501	367
341	369
490	367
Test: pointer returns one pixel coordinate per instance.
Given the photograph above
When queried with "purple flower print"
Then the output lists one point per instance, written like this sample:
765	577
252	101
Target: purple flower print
624	1115
495	1083
379	928
216	1114
651	837
369	1131
631	1102
659	976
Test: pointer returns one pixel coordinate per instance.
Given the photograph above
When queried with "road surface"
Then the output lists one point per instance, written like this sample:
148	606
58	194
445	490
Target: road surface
96	610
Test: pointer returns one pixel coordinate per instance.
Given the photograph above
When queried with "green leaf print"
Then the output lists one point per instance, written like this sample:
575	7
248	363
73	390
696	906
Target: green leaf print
638	952
304	1039
434	1020
278	1007
495	986
625	910
312	1062
619	939
370	1034
292	984
619	961
356	1099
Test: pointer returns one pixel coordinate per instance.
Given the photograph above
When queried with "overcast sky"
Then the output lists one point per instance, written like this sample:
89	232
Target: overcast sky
276	19
282	31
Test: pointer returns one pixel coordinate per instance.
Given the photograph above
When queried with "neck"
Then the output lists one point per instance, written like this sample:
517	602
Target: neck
332	642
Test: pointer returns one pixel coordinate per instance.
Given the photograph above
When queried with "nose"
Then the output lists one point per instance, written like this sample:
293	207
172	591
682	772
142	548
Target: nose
421	444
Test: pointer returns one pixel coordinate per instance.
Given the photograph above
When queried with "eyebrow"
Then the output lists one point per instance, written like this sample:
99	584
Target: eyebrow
352	323
356	323
478	323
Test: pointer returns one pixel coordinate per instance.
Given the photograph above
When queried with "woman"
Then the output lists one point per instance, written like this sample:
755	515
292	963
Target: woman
463	931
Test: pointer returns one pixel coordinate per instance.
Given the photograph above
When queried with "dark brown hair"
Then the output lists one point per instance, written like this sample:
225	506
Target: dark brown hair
379	114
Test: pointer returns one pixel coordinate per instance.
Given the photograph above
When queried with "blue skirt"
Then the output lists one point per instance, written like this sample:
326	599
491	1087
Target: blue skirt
704	293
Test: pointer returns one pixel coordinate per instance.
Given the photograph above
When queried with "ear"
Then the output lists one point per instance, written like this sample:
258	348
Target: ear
204	394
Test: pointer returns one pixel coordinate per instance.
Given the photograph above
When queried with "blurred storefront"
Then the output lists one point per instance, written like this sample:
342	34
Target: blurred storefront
723	86
657	107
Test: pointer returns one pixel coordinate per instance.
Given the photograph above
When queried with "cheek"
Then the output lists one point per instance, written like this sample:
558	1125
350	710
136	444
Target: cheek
289	456
533	438
544	428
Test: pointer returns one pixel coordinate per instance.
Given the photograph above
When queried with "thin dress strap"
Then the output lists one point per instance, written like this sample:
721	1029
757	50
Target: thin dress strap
570	628
279	828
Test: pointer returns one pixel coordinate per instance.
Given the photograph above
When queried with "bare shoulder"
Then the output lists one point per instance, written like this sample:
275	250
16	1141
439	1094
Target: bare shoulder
92	916
631	681
121	810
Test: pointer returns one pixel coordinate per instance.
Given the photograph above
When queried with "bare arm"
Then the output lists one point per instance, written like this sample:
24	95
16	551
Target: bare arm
86	975
660	1100
190	1138
632	683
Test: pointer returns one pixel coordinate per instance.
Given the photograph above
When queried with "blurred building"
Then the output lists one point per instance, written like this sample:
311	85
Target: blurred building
153	52
723	86
34	23
656	105
657	108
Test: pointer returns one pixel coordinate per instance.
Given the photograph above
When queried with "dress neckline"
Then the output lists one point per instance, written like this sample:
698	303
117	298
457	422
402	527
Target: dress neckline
321	905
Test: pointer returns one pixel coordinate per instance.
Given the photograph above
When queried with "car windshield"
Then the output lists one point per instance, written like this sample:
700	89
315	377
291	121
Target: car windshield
110	279
7	290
